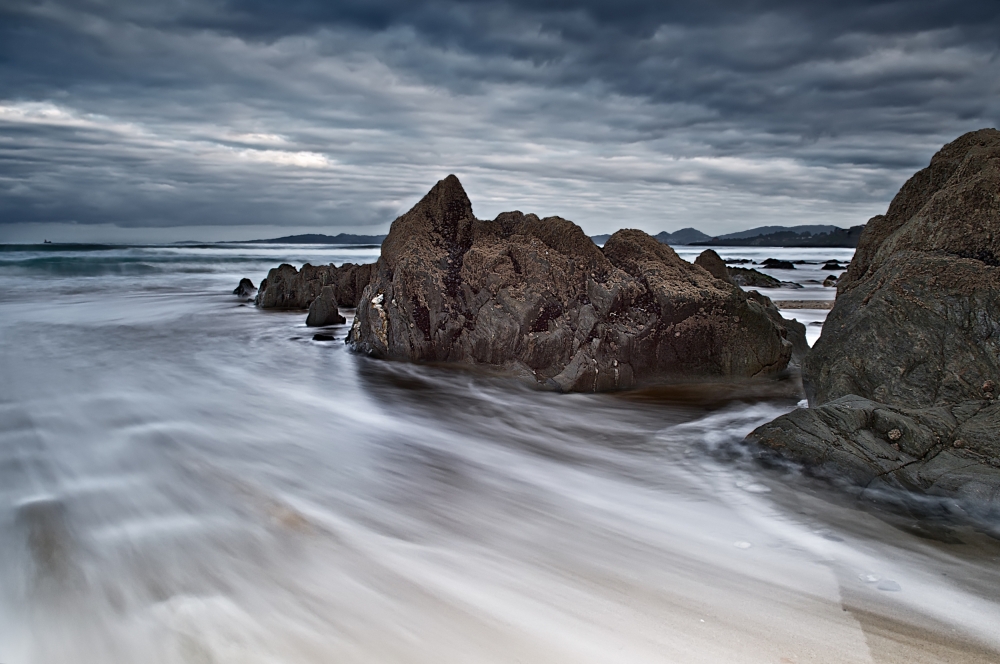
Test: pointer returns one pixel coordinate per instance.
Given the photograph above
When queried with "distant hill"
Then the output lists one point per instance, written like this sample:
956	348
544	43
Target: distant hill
837	237
683	236
815	235
319	238
771	230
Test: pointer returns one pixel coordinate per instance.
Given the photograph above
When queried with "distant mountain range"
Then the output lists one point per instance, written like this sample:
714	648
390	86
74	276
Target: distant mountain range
816	235
791	237
683	236
319	238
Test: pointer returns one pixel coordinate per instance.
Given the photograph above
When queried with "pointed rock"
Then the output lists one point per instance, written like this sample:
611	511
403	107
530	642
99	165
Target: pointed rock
711	261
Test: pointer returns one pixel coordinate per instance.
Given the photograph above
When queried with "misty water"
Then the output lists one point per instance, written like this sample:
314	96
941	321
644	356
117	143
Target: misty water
185	478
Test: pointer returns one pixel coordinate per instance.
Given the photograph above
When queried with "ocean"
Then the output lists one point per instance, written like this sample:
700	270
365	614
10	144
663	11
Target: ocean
186	478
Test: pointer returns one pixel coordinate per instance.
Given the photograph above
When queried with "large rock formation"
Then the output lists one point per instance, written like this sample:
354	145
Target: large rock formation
538	299
915	332
916	319
288	288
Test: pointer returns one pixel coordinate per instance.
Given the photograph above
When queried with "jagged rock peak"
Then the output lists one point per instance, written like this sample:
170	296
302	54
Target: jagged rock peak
441	221
446	202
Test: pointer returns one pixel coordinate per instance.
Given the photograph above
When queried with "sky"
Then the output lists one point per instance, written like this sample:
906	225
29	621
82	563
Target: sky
214	119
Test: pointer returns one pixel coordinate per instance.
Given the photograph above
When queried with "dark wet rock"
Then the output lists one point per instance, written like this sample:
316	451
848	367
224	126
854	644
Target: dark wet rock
323	337
750	278
776	264
950	206
245	289
924	331
536	298
323	310
914	337
871	445
916	321
833	265
831	281
350	280
288	288
710	261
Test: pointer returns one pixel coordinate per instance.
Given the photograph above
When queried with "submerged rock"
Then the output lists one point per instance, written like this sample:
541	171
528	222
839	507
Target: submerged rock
538	299
750	278
914	332
776	264
245	289
288	288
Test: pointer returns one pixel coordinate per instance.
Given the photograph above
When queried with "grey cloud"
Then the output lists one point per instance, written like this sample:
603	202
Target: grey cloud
337	115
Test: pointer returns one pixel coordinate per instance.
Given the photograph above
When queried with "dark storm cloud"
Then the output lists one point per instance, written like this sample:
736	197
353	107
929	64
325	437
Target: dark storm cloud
338	115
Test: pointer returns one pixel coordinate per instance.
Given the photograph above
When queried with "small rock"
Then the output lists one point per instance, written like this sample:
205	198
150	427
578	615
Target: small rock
323	310
752	278
959	443
895	434
710	261
245	289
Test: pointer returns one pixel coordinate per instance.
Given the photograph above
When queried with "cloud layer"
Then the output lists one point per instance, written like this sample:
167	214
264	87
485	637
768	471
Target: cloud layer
338	116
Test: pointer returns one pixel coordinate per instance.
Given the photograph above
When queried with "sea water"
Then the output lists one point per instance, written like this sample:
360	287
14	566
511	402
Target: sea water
186	478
